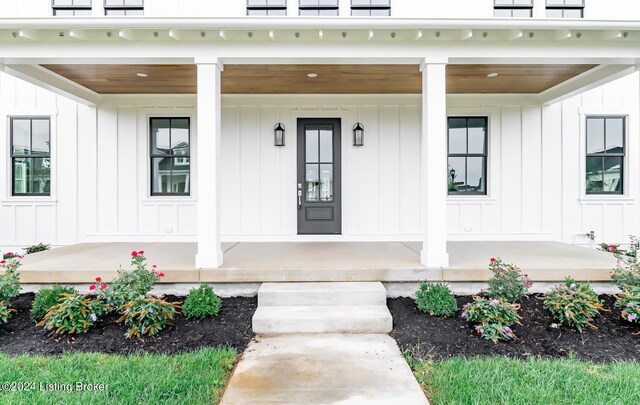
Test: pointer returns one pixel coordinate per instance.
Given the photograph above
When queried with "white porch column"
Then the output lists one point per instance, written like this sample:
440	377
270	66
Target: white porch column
209	253
433	176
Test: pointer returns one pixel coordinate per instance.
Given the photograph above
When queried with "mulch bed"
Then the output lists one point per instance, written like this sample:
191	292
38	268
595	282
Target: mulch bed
232	328
447	337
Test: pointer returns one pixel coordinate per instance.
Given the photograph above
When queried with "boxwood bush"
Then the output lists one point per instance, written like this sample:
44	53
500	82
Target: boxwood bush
201	302
436	299
46	298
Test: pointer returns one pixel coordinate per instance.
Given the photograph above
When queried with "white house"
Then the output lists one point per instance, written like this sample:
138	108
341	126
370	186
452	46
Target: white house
319	120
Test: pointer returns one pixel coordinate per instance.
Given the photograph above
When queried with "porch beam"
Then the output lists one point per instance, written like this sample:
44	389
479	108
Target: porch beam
209	254
433	175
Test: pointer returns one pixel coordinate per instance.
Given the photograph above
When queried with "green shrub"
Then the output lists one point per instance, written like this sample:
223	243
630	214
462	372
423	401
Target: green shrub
436	299
494	317
147	316
626	274
74	314
129	285
201	303
629	302
40	247
507	281
9	280
5	313
46	298
11	255
573	304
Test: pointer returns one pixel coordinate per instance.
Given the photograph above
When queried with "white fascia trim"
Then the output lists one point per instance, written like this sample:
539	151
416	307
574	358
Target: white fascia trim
588	80
51	81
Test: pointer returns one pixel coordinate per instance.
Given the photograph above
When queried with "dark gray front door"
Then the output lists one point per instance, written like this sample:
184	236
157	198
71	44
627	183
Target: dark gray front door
319	182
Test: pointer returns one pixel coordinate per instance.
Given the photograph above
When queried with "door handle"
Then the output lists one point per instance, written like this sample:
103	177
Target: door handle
299	199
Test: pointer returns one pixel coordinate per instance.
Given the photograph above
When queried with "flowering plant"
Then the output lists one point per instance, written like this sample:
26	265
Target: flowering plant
494	317
624	254
11	255
5	312
626	274
573	304
147	315
507	281
128	285
74	314
629	302
9	280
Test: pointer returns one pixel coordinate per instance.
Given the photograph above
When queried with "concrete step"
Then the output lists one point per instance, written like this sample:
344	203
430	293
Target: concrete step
322	294
322	319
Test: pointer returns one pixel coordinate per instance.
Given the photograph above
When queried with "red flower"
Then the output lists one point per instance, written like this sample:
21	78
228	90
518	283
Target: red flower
612	249
160	274
493	259
513	268
92	287
3	262
103	286
21	257
526	275
141	252
154	266
98	279
8	254
134	253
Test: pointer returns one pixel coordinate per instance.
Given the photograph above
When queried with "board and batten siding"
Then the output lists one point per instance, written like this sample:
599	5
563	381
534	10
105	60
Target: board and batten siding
100	187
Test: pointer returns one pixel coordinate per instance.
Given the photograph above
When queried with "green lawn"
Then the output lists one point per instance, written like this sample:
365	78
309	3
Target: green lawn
499	380
190	378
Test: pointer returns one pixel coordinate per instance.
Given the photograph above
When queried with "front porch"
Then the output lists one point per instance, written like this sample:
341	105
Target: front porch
318	261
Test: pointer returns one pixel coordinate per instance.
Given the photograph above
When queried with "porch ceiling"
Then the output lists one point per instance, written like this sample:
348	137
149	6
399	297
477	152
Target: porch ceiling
331	79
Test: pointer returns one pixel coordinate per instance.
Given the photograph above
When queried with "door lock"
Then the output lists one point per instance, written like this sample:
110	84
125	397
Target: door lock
299	199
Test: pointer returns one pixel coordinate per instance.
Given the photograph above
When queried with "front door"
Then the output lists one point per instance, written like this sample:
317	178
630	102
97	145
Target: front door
319	176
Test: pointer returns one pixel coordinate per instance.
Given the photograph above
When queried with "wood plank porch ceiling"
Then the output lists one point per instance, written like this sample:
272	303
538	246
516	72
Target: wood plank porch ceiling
331	79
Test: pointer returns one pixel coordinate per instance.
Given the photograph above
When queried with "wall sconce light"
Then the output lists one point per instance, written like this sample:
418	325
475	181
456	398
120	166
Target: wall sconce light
358	134
278	135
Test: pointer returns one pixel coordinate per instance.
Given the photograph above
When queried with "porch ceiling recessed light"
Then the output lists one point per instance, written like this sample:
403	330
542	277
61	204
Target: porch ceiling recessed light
141	74
312	75
492	74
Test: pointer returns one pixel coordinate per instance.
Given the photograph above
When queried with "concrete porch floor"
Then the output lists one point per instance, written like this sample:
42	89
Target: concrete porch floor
318	261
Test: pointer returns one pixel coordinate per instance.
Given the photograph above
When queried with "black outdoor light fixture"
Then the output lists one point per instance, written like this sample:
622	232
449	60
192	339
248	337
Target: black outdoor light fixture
358	134
278	134
452	173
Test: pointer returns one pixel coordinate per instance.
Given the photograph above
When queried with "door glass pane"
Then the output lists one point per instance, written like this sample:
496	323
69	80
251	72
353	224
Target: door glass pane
595	135
160	133
40	137
594	174
326	182
326	145
312	181
180	136
612	176
475	174
311	142
476	135
456	173
21	135
457	135
615	129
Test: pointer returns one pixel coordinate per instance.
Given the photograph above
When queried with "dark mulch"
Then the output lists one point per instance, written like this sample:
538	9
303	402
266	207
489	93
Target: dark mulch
447	337
232	327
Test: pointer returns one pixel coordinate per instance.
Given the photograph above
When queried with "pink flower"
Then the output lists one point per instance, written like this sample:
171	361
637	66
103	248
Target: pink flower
141	252
21	257
134	253
103	286
612	249
92	287
98	279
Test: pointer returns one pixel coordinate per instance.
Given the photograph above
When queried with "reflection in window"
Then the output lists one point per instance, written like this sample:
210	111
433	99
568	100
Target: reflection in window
31	156
513	8
67	8
267	7
373	8
605	155
467	157
565	9
170	156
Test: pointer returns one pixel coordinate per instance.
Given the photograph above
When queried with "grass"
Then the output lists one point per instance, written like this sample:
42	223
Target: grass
499	380
189	378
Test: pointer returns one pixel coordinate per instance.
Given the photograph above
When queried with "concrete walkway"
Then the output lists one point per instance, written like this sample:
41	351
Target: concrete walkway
323	369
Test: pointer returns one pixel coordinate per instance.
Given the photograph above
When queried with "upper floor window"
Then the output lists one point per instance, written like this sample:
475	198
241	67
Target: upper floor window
30	156
371	8
319	7
170	156
513	8
123	7
565	8
266	7
605	155
71	7
467	156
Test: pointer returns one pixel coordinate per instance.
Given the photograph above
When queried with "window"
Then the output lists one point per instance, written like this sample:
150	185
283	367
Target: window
319	7
467	158
71	7
565	8
266	7
123	7
605	155
31	156
513	8
374	8
170	158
